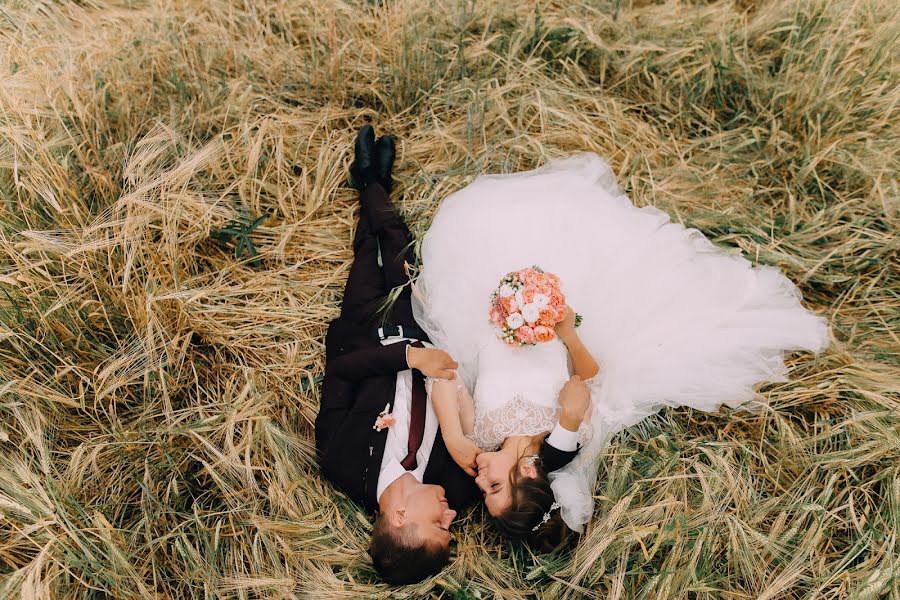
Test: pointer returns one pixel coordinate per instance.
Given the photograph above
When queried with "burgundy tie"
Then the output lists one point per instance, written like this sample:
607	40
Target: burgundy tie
416	417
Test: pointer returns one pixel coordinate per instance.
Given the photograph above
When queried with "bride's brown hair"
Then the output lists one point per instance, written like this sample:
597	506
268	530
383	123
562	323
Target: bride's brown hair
531	500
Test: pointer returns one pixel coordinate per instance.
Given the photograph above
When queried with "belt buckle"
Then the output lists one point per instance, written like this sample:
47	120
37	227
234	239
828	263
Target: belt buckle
388	337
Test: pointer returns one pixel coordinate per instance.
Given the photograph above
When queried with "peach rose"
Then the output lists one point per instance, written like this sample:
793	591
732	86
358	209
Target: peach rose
544	288
508	305
548	317
525	334
496	316
543	334
558	301
528	293
537	278
552	279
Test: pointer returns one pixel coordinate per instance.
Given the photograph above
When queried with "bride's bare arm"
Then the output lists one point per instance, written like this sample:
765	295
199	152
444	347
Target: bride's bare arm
583	362
466	408
445	400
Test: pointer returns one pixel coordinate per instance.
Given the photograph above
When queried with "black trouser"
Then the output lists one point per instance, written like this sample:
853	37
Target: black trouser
369	284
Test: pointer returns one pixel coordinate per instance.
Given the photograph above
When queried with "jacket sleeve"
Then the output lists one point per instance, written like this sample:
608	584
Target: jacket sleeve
370	362
559	448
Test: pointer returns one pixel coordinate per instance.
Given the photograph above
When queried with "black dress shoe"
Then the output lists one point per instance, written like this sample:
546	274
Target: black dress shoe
385	152
362	169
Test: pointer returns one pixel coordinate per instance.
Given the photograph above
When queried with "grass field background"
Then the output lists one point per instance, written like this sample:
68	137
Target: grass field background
175	231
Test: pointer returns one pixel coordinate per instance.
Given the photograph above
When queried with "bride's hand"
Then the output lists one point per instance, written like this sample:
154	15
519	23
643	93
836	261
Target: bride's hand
463	450
565	329
432	362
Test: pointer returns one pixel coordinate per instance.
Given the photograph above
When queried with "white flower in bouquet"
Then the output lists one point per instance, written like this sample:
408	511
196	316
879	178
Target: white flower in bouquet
515	320
541	300
531	313
520	299
506	290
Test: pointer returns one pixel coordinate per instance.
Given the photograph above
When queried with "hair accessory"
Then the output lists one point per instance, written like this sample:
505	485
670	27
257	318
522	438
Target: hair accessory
546	516
530	460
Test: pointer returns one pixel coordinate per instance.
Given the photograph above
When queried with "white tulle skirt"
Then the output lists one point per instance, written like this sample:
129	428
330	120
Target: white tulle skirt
672	319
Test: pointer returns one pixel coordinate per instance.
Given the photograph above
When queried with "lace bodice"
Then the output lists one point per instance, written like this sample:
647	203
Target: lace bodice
518	417
517	391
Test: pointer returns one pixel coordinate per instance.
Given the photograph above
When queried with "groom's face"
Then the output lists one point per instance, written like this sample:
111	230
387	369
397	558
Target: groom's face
427	507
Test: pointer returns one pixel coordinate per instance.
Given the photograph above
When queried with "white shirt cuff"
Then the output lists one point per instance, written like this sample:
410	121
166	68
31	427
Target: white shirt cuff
390	473
563	439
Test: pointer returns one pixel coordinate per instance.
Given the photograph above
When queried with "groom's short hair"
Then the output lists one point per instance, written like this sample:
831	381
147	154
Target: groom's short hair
400	556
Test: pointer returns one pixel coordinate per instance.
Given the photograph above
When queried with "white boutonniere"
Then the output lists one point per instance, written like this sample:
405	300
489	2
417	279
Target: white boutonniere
384	419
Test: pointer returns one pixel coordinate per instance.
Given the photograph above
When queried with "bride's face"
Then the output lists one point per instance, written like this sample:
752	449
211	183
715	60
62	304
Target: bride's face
495	470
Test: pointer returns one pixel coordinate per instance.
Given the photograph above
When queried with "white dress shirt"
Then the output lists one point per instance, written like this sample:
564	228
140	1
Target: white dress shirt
563	439
395	448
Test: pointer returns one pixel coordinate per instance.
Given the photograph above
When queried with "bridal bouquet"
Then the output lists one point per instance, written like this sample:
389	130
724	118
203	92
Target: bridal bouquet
526	306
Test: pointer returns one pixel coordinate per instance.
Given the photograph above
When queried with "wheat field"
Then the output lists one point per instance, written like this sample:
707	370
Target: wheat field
175	232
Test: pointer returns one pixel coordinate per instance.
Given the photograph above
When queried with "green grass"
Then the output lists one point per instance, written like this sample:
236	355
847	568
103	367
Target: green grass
158	381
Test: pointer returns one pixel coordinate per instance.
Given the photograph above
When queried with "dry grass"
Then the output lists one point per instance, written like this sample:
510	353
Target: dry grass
157	393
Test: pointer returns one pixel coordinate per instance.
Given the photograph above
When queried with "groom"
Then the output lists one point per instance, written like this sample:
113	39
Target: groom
377	435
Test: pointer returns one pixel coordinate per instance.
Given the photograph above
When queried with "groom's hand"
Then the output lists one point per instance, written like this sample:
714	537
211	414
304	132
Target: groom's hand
432	362
574	399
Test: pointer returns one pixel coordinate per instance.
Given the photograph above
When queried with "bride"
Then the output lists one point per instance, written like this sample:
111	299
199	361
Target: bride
671	319
518	404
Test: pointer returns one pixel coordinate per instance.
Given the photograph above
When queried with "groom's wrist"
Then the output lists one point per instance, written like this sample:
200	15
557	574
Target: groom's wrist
569	421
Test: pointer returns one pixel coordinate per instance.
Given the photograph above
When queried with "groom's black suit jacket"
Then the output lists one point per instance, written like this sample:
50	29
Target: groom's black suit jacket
361	374
360	381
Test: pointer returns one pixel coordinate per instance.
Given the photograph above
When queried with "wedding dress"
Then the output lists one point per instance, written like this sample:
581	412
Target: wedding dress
672	319
517	391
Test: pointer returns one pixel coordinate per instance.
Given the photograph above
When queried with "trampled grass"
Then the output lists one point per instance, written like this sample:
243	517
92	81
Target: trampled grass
158	383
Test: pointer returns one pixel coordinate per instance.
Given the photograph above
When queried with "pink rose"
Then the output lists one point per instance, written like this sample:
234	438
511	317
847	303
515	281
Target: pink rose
528	293
496	317
543	334
525	334
523	274
548	317
552	279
